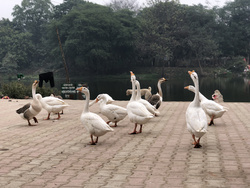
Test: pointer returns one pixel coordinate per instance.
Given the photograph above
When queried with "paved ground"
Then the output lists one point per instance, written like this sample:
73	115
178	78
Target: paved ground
57	153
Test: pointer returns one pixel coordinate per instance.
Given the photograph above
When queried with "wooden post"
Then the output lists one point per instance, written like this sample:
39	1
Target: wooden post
64	61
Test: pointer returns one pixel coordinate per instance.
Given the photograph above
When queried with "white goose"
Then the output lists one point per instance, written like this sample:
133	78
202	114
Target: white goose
113	112
52	104
137	112
107	96
212	108
156	99
93	123
195	116
30	110
149	107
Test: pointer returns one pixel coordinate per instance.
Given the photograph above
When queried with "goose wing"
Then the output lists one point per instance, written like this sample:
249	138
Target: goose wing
23	109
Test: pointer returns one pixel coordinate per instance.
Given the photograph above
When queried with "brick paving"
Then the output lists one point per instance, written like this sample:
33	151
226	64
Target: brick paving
56	153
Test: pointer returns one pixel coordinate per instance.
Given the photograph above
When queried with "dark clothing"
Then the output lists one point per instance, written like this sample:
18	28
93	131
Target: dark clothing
46	77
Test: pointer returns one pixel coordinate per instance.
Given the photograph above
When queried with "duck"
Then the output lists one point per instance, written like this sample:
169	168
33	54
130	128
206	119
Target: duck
156	99
113	112
149	107
137	112
212	109
52	104
30	110
109	99
92	122
196	118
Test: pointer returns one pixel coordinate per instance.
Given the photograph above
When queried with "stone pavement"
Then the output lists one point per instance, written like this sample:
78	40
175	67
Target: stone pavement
57	153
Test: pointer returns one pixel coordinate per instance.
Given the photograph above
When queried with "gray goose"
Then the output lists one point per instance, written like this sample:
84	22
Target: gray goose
30	110
156	99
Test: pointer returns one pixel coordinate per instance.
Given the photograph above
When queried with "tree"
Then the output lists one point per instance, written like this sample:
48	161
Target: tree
157	35
15	47
235	18
201	25
124	4
32	17
95	38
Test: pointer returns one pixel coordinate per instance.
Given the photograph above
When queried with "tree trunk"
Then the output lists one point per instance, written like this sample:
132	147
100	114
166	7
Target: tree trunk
202	73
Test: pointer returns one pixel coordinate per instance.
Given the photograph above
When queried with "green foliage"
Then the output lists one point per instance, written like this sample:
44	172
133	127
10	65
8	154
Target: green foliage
47	91
19	90
95	38
16	90
236	64
113	38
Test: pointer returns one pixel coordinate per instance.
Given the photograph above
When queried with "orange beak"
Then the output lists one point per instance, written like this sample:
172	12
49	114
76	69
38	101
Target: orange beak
131	73
190	72
186	87
36	82
79	88
96	100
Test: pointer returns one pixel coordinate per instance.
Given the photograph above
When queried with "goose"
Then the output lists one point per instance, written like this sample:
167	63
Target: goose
92	122
217	96
52	104
146	92
108	98
113	112
156	99
212	109
196	118
137	112
30	110
149	107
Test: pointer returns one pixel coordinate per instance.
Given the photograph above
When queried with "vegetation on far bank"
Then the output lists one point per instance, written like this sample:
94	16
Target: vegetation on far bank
114	38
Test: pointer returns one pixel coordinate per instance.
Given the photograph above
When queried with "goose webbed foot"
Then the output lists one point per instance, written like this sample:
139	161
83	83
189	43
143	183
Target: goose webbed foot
197	145
211	121
36	121
92	140
134	132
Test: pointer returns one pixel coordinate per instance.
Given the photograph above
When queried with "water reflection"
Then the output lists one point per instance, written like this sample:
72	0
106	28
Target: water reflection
235	89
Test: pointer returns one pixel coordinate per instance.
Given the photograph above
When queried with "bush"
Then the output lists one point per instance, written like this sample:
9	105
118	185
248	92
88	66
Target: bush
236	64
18	90
45	91
15	90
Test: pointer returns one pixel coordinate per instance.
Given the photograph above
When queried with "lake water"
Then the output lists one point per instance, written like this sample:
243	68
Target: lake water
232	89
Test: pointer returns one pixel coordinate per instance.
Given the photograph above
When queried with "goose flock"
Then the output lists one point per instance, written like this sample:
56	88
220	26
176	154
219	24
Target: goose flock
139	111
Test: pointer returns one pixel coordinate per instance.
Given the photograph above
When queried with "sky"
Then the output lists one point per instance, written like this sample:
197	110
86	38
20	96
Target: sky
6	6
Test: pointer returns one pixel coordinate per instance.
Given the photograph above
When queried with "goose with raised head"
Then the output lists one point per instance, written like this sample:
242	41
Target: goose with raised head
156	99
212	108
196	118
113	112
149	107
30	110
137	112
92	122
52	104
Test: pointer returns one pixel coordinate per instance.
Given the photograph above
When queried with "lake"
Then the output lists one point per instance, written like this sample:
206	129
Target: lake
233	89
